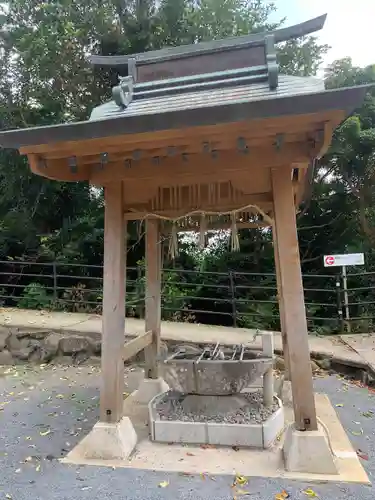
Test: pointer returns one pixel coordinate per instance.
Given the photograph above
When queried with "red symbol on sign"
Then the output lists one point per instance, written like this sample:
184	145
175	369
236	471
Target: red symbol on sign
330	260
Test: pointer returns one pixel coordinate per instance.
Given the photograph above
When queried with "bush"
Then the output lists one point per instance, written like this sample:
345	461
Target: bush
34	296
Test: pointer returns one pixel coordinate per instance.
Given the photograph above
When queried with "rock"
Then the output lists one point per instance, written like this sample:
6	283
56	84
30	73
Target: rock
97	347
26	342
279	364
45	350
93	361
36	334
80	357
51	343
324	364
24	353
314	367
4	334
138	358
13	343
74	344
62	360
6	358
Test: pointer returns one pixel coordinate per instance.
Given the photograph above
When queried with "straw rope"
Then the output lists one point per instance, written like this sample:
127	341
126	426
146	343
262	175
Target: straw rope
235	245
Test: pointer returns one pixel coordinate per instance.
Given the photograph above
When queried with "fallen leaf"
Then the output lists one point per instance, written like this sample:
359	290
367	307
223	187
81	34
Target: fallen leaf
235	448
8	496
368	414
340	405
163	484
28	459
357	433
362	455
242	492
282	496
28	438
207	446
309	492
60	396
37	468
189	454
241	480
45	433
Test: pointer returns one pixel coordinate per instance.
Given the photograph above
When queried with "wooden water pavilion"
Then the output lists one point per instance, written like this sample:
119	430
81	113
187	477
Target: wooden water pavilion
210	131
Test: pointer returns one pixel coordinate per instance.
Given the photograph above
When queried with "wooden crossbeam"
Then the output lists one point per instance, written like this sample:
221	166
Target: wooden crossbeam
136	345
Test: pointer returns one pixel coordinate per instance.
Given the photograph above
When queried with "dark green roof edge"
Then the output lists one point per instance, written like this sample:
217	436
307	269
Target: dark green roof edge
346	99
169	53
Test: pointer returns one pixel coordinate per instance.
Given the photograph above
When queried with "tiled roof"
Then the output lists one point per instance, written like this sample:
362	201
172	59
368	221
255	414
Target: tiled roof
144	104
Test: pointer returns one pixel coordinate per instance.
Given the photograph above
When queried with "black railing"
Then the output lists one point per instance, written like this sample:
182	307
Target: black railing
233	298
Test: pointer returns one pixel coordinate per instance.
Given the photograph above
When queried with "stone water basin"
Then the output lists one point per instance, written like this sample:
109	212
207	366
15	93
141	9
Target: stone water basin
214	371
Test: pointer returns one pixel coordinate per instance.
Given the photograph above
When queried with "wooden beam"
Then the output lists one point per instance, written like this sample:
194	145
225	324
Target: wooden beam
153	295
135	345
111	396
217	143
291	289
202	164
39	166
280	124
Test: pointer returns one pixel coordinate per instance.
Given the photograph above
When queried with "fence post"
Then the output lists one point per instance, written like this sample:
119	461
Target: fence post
346	299
339	304
54	270
233	296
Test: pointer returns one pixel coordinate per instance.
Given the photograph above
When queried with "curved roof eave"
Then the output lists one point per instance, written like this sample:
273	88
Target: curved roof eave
169	53
346	99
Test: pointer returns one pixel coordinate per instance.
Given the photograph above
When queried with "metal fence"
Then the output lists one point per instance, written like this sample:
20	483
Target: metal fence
232	298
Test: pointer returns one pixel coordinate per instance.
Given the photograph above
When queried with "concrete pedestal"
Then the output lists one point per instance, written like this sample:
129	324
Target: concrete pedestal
108	441
148	389
308	452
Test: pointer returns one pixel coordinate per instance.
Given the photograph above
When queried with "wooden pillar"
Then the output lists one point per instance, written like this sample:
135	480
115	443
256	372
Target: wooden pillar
114	275
291	289
281	304
153	296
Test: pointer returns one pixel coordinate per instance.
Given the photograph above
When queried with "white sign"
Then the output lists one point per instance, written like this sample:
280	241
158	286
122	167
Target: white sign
348	259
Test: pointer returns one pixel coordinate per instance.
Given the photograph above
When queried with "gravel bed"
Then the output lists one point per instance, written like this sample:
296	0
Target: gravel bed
170	407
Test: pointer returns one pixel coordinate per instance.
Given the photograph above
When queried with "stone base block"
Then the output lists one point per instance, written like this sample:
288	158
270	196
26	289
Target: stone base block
108	441
308	452
149	388
179	432
273	427
254	435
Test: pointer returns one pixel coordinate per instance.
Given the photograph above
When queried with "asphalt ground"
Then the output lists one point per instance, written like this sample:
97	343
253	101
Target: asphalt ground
45	412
